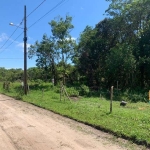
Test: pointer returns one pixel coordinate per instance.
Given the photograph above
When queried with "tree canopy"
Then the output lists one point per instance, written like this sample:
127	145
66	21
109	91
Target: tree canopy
115	50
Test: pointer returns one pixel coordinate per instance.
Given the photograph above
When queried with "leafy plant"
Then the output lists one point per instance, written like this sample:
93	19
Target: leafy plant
84	90
72	92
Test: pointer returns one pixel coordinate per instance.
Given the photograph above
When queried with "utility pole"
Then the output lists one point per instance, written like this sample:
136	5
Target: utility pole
25	52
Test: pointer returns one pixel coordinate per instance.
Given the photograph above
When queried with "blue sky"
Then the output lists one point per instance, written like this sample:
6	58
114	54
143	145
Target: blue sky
84	12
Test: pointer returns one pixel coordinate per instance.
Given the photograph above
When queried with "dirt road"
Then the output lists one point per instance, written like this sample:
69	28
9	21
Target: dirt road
27	127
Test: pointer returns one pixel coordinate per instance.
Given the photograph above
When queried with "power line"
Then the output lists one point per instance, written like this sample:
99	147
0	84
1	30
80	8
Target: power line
11	58
35	9
55	7
12	34
17	29
47	13
11	42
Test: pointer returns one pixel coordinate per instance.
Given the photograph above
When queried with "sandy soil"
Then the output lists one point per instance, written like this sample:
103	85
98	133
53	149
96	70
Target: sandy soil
27	127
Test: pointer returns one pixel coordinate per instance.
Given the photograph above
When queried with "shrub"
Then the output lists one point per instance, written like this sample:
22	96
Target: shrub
137	98
56	89
72	92
39	82
84	90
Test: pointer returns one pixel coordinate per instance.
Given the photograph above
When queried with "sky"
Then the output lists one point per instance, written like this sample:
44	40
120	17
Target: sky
83	12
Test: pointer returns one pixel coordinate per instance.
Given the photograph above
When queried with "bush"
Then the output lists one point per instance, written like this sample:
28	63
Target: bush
20	92
56	89
38	82
84	90
135	96
72	92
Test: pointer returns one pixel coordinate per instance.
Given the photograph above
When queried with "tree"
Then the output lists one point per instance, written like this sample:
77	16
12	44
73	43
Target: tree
135	17
46	56
64	43
2	74
55	53
94	45
35	73
11	75
121	66
143	57
133	13
84	47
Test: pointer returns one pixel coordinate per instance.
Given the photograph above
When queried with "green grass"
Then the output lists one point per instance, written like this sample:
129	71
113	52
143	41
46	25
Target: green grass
131	122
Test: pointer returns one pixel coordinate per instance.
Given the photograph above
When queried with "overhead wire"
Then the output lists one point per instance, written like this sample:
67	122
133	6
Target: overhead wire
17	29
11	34
14	40
11	58
35	9
55	7
11	42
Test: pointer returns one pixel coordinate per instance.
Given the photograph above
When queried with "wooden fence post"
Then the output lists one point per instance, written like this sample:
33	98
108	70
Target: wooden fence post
111	98
149	96
117	88
60	91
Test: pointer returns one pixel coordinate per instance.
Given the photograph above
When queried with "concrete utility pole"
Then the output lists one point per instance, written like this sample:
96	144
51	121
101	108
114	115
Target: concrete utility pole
25	52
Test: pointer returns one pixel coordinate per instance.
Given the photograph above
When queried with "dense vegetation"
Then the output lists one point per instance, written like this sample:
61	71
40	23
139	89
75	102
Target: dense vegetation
113	53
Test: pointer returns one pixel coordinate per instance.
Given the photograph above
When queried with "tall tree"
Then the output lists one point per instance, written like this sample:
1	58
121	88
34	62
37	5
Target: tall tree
45	54
121	66
65	44
94	45
135	14
85	64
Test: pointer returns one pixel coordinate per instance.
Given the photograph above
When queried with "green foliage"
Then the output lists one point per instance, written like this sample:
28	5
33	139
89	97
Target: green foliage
84	90
20	92
137	98
134	96
35	73
46	56
117	49
72	92
121	65
10	75
56	89
54	53
64	44
39	82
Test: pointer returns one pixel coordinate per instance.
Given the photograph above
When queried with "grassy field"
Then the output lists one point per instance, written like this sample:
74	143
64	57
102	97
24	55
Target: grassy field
130	122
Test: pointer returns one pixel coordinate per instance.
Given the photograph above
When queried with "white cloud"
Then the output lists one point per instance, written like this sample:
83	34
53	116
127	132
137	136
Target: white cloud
3	37
30	39
21	45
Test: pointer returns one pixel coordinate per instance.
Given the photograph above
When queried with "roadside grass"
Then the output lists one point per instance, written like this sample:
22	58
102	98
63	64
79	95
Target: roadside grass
130	122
